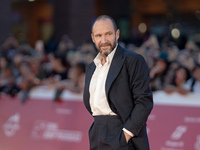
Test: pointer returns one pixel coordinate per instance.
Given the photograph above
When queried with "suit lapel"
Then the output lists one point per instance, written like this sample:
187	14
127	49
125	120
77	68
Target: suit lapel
115	67
90	71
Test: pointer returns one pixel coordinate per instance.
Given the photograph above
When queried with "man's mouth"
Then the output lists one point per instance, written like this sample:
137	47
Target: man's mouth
105	45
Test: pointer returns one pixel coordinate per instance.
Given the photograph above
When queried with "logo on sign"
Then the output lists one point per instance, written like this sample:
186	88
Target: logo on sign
180	130
197	143
12	125
50	131
176	136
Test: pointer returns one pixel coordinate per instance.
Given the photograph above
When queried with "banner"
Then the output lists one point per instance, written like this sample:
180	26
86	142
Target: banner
174	123
42	123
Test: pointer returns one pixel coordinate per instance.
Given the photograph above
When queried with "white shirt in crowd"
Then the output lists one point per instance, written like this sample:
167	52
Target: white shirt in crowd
188	85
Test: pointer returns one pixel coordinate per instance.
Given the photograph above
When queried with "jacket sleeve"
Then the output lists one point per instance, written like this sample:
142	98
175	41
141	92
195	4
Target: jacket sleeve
142	96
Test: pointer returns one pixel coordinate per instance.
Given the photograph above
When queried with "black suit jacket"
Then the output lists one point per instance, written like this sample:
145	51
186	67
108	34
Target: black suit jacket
127	90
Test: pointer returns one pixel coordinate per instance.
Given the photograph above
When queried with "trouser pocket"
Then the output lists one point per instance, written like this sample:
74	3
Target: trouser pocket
122	139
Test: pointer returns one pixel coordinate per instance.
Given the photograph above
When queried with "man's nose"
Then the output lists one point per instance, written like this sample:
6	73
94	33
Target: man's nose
103	39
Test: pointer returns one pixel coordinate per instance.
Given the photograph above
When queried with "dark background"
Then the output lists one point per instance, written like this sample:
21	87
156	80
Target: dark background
50	19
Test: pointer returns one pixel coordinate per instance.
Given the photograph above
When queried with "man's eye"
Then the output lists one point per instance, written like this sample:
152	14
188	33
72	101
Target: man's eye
98	35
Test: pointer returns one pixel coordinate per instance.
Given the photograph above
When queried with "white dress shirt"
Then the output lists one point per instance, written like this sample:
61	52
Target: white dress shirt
98	99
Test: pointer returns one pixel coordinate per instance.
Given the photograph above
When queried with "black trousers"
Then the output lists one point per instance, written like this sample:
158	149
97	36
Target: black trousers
106	134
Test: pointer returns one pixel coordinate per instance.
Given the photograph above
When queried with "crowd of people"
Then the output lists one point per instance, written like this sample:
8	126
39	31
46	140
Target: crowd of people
172	69
62	66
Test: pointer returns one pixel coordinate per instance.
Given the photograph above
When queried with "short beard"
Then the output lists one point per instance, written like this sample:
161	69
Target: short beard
109	51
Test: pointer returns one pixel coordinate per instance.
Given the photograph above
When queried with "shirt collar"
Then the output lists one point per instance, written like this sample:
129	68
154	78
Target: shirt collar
109	58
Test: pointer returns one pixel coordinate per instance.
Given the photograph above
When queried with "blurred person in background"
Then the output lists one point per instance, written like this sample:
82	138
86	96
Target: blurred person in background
65	44
181	76
83	56
186	59
158	73
26	50
39	50
170	75
27	80
37	67
76	78
6	75
9	47
193	84
172	52
150	49
3	62
7	81
16	61
59	68
84	53
75	83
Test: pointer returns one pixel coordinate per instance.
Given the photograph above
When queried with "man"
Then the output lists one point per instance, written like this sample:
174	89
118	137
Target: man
116	92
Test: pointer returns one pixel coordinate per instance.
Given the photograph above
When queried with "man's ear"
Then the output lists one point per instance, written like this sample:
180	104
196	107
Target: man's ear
92	36
117	34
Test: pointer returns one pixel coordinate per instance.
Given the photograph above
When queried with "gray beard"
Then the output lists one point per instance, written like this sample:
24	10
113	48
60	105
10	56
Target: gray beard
108	52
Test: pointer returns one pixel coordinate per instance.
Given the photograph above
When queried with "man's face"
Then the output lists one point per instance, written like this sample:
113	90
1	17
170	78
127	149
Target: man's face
104	36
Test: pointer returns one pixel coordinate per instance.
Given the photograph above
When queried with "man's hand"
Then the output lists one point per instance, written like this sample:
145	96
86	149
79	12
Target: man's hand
127	136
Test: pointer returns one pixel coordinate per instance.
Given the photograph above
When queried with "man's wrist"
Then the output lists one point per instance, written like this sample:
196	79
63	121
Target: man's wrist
128	132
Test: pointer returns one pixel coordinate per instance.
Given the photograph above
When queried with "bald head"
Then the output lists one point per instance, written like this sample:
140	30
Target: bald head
105	17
